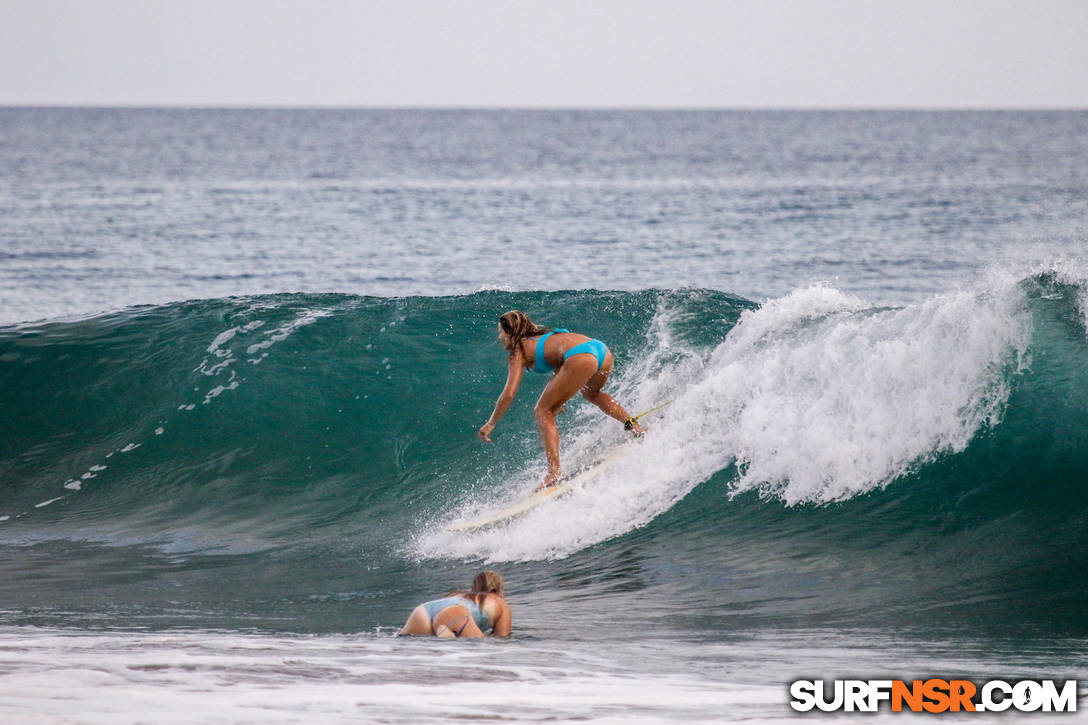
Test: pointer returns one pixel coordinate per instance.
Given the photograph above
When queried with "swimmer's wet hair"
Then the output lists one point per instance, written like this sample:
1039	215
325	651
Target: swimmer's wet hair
486	582
490	582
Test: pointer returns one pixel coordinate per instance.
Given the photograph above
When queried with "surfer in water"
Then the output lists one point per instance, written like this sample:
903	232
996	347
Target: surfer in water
462	614
579	363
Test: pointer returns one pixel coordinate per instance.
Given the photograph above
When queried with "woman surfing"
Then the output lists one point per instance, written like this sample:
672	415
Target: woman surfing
579	364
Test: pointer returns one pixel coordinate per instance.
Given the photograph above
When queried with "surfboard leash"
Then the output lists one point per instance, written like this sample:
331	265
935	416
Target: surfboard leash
630	422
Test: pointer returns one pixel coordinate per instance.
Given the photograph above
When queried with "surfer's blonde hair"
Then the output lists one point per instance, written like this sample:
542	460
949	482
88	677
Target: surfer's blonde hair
484	583
517	325
490	582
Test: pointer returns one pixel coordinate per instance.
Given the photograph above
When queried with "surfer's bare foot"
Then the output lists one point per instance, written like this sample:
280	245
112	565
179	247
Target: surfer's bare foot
637	430
552	479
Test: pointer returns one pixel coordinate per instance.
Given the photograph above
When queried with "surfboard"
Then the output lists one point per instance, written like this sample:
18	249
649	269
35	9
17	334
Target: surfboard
585	475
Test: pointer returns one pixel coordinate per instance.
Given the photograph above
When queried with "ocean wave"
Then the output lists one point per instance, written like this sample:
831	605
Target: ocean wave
804	427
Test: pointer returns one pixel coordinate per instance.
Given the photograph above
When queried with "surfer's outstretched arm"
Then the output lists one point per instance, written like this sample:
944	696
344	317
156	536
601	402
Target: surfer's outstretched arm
514	371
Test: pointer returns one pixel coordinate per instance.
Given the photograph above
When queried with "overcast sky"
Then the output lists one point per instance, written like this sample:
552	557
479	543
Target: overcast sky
546	53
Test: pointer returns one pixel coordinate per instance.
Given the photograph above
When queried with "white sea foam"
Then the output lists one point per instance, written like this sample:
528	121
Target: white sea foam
281	333
854	398
51	677
815	397
214	677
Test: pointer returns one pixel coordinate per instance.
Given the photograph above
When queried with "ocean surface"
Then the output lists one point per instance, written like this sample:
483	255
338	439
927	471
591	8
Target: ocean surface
244	354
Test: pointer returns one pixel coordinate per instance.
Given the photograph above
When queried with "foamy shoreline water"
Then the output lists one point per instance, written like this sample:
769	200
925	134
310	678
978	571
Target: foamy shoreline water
50	676
214	677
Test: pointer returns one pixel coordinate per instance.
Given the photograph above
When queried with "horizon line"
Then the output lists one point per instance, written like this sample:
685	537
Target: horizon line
489	107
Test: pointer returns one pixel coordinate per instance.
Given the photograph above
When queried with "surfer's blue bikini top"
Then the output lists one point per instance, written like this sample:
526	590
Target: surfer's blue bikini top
596	348
540	365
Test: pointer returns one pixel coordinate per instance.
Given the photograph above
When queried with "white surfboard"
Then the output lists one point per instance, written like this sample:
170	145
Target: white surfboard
586	475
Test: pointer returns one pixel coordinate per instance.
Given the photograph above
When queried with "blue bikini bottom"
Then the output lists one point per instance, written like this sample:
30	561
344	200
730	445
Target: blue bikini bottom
596	348
435	606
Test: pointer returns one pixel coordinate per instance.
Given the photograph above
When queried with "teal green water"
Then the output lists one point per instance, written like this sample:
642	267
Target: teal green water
223	508
289	463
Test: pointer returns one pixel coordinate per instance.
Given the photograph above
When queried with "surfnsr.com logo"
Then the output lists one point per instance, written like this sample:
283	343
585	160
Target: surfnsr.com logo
934	695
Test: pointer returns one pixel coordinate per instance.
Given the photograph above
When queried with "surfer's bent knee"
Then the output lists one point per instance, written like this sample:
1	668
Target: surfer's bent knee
543	413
